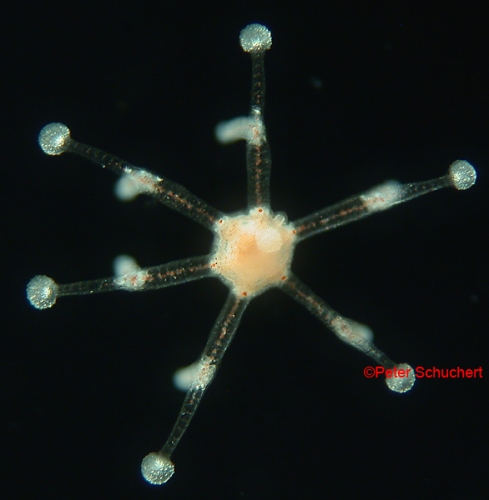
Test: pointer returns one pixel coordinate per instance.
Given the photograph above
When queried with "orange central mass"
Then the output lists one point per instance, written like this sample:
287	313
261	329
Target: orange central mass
253	251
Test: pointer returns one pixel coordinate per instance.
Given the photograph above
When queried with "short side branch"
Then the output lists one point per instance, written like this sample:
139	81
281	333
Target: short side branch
342	328
461	175
43	291
157	467
55	139
256	39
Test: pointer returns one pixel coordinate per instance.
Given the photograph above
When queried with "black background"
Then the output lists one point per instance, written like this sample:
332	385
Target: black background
358	92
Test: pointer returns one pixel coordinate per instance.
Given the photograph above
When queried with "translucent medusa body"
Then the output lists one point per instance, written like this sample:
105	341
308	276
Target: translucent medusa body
252	250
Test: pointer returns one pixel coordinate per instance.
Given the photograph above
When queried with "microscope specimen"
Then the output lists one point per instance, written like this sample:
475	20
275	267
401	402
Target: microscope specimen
252	250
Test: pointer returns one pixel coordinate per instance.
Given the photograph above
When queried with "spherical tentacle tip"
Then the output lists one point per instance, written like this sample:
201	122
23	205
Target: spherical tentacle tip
255	38
53	138
403	378
156	468
42	292
462	174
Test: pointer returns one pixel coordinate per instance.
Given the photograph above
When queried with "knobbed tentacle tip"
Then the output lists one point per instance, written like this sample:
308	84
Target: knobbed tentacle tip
53	138
156	468
255	38
42	292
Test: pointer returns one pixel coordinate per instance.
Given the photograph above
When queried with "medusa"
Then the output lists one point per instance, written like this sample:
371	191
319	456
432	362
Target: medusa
252	250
